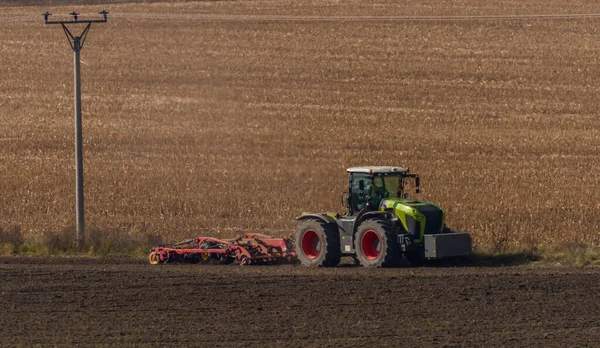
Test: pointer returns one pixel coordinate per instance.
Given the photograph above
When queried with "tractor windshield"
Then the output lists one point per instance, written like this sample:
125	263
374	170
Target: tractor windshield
369	190
394	186
388	186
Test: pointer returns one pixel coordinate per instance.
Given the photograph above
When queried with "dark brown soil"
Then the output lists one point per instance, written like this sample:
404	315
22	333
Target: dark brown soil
124	303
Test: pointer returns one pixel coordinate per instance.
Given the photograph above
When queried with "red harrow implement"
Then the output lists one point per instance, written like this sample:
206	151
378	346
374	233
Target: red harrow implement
250	248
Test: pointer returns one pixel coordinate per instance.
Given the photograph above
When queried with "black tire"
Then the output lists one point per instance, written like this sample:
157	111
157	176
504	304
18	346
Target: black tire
318	244
376	244
227	260
415	258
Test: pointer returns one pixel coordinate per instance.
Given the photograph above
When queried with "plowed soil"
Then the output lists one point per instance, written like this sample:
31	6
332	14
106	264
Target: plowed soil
81	302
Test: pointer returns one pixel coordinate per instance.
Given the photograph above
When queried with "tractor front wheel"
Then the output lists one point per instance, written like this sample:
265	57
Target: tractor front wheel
376	244
318	244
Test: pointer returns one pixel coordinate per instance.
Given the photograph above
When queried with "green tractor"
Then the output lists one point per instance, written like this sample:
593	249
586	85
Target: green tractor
381	226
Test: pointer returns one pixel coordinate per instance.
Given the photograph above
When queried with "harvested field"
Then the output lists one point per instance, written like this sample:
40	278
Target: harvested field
56	302
200	120
235	116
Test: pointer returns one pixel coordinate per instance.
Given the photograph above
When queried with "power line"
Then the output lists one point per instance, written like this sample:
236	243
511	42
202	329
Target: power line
27	18
226	17
320	18
18	19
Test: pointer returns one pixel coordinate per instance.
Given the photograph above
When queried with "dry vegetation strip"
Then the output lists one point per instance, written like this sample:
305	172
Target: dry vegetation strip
194	127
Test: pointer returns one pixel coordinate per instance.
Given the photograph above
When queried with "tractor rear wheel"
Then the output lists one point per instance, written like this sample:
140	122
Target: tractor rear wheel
376	244
318	244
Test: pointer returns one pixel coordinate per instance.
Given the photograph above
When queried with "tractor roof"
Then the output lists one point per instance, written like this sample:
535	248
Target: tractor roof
376	169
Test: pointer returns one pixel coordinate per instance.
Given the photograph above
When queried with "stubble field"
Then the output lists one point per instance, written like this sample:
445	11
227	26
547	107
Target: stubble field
224	117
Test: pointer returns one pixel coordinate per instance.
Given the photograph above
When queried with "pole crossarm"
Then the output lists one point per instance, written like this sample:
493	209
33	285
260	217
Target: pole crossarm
76	19
81	37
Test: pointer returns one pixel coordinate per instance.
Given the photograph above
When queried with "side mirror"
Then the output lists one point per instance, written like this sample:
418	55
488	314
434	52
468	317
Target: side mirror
418	183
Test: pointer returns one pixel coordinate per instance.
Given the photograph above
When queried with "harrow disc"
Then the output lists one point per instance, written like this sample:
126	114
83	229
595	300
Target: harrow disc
245	261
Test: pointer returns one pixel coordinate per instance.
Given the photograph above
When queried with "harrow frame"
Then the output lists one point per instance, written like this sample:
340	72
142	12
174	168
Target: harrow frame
249	248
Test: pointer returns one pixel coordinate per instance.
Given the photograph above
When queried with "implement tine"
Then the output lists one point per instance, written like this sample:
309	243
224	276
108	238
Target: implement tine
189	241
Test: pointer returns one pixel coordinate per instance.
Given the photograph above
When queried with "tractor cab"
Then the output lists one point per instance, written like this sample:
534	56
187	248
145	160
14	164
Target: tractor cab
369	186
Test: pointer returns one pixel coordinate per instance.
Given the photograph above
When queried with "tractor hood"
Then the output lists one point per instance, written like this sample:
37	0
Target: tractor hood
393	203
418	217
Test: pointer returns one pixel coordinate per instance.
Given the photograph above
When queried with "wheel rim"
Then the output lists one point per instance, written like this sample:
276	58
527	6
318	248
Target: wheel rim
371	245
153	259
311	244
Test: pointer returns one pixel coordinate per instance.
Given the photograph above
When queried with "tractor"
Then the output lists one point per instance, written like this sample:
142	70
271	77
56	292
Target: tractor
382	225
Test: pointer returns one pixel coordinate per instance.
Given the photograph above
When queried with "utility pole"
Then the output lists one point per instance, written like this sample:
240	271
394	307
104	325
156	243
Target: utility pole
76	43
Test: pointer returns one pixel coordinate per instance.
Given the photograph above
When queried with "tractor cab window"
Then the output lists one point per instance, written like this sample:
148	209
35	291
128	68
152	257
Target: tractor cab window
378	191
360	188
366	188
385	187
393	186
